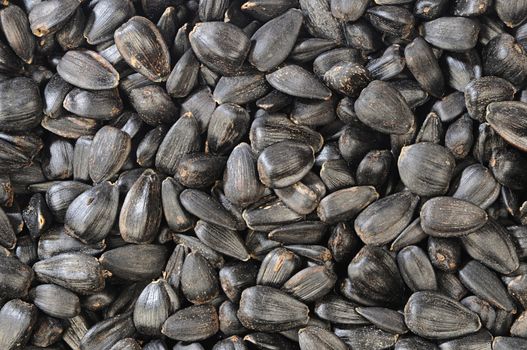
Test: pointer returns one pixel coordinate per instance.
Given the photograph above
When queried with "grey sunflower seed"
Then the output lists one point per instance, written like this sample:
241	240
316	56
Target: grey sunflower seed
201	104
212	10
512	13
17	319
416	269
199	281
15	26
336	309
414	342
444	253
70	126
265	10
126	344
153	104
469	8
450	285
418	55
206	208
236	277
192	323
512	68
424	309
478	186
485	311
175	215
47	331
311	283
391	20
70	35
48	16
184	75
228	125
507	119
348	11
100	105
105	17
273	101
450	106
345	204
229	323
505	165
36	215
304	196
104	334
196	245
55	241
222	240
479	93
135	262
451	33
148	146
386	319
296	81
319	21
81	154
311	338
20	104
240	89
16	277
7	234
325	61
368	337
307	232
55	301
199	170
96	72
108	153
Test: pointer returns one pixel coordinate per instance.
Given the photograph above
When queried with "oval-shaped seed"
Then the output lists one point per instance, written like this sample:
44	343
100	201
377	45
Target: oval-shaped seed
336	309
240	89
368	337
60	195
319	21
509	120
389	65
478	186
192	323
55	241
267	52
153	104
148	146
284	163
444	253
325	61
77	272
386	319
70	35
91	215
55	301
135	262
307	232
348	11
451	217
267	309
36	215
220	46
384	219
505	58
228	124
304	196
101	105
153	306
236	277
485	311
450	107
451	33
480	340
206	208
336	175
177	218
15	277
70	126
20	104
199	281
277	267
54	92
423	64
416	269
347	78
108	153
17	319
344	205
479	93
182	138
312	113
313	338
484	283
374	277
412	234
296	81
512	13
426	168
142	46
395	116
104	334
15	25
311	283
414	342
105	17
506	164
48	16
391	20
221	239
492	246
435	316
184	75
199	170
96	72
459	137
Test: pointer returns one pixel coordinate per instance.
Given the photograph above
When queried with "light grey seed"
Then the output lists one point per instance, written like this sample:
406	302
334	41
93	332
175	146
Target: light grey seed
135	262
196	245
444	253
485	284
395	116
435	316
479	93
100	105
284	163
91	215
154	105
296	81
451	217
201	104
112	55
508	343
47	17
55	301
193	323
424	66
512	13
105	17
221	46
184	75
492	246
375	278
414	342
384	219
20	105
312	338
70	36
55	241
17	320
70	126
182	138
154	305
319	20
470	8
58	159
15	25
267	52
480	340
275	128
311	283
104	334
478	186
234	278
206	208
345	204
96	72
505	58
77	272
185	346
228	124
142	46
416	269
368	337
507	119
451	33
336	309
109	151
81	154
348	11
240	89
277	267
15	277
268	309
426	168
222	239
386	319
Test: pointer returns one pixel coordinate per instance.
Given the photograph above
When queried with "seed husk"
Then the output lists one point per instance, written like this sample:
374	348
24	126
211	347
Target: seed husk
100	105
101	25
206	208
479	93
22	112
391	20
311	338
451	33
419	55
48	16
199	281
367	337
444	253
104	334
17	320
15	25
97	73
108	153
55	301
221	239
200	170
135	262
435	316
345	204
512	13
201	104
196	245
416	269
148	56
508	119
509	64
192	323
505	165
296	81
16	277
267	309
311	283
319	20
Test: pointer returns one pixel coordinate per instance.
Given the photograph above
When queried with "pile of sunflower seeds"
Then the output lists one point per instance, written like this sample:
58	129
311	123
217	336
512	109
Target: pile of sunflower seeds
263	174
